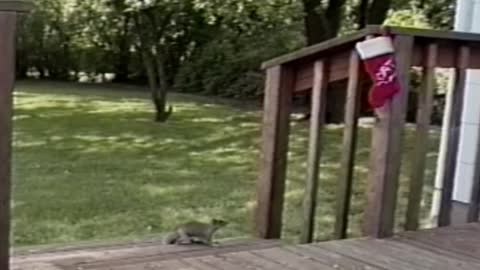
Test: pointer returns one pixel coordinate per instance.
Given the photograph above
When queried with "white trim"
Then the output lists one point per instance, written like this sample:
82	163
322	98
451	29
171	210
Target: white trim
374	47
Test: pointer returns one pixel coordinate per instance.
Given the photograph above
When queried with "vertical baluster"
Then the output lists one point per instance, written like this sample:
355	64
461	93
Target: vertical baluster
419	158
352	107
273	159
320	83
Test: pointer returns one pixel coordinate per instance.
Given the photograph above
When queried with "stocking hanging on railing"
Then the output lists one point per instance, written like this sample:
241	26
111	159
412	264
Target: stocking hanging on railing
379	61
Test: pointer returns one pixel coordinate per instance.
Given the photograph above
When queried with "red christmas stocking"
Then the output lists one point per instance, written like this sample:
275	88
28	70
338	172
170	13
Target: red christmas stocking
379	61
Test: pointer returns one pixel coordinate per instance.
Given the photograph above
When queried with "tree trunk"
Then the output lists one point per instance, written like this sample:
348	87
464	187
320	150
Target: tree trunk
421	4
22	68
315	25
158	89
362	14
378	11
334	16
321	24
122	59
121	68
162	113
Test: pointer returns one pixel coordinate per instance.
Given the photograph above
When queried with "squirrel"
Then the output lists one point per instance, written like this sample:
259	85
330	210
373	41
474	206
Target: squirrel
194	232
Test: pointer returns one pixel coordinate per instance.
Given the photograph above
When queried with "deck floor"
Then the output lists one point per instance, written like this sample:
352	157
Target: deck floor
443	248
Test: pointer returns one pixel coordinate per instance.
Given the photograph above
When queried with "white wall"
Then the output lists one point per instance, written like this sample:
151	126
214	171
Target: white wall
468	20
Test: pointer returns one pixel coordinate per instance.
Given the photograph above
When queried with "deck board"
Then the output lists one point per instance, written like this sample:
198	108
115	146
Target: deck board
257	262
455	247
332	259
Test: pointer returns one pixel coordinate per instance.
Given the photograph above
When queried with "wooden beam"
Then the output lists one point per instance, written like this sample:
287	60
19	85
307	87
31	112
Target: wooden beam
332	46
273	157
463	58
321	71
7	77
386	153
344	183
20	6
474	205
419	158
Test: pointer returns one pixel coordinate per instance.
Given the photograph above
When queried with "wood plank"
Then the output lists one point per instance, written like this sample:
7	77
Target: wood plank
419	257
424	111
447	54
461	240
386	153
243	263
331	259
453	136
347	164
382	261
273	159
35	266
143	255
339	71
436	249
290	260
163	265
16	5
220	263
197	263
338	67
330	47
7	78
314	149
314	50
258	261
120	246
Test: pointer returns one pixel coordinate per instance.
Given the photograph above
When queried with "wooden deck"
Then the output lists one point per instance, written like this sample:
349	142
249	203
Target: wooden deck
444	248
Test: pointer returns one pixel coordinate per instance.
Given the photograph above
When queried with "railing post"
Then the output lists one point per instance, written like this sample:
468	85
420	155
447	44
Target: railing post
8	20
386	153
273	156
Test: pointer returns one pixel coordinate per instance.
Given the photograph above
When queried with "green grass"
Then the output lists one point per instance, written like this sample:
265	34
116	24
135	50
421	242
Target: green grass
89	163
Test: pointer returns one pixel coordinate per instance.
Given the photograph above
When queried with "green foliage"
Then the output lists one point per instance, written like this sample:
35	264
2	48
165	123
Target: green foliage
230	68
228	64
207	46
411	17
46	39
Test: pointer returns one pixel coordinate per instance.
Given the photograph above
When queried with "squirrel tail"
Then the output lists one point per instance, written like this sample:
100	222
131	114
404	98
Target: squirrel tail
171	238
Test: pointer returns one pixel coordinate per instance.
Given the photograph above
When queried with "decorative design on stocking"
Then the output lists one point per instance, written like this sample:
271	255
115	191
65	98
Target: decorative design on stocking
379	61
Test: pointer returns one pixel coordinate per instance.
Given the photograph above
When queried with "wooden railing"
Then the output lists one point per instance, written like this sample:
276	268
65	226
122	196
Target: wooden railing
425	49
8	18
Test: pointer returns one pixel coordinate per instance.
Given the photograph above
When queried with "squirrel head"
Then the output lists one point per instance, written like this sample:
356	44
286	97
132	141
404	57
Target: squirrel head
219	222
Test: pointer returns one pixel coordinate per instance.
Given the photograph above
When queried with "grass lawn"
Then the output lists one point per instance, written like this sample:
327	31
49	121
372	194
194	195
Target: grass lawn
89	163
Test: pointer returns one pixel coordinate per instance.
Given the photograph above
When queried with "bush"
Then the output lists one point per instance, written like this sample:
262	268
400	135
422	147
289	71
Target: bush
229	65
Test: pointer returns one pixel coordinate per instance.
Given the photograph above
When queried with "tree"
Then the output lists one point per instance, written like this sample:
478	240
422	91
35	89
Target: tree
46	39
322	23
166	32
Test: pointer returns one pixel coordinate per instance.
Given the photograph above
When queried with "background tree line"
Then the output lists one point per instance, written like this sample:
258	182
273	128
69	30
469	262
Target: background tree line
211	47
